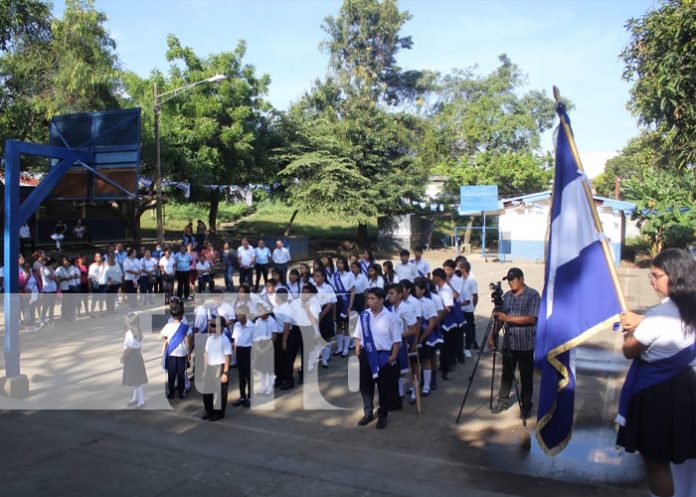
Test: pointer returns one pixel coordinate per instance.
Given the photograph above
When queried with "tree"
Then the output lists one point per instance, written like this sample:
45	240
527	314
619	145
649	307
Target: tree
72	69
215	134
354	155
639	156
660	61
482	129
22	21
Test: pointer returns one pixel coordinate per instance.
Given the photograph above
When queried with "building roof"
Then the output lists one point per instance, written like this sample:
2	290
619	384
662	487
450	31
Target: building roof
531	198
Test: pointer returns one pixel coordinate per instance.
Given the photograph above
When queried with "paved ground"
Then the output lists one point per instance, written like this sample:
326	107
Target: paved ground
288	450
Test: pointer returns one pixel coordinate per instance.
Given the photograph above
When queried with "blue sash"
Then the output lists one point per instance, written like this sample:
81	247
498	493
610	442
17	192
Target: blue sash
364	265
343	299
375	358
420	273
643	374
175	340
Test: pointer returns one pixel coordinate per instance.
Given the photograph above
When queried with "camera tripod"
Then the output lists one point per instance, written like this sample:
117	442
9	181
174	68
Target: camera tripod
494	326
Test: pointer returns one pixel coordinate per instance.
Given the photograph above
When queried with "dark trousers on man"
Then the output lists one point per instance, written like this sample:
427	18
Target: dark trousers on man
182	284
213	385
458	345
176	370
294	346
244	368
246	276
470	331
261	270
282	270
448	351
511	360
278	360
387	386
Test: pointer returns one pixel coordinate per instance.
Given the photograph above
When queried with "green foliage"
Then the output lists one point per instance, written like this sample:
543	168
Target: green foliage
660	60
22	21
179	214
481	127
664	206
73	69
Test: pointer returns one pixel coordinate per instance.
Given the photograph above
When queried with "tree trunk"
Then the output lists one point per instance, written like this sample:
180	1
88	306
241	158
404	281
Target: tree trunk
361	236
214	205
467	233
292	220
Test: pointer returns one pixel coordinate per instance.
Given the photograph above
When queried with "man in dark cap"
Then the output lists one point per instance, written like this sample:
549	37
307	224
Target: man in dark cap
519	315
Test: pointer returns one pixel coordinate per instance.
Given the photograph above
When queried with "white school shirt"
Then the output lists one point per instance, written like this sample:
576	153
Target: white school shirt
243	335
200	318
169	331
413	301
298	314
361	284
326	295
348	280
422	266
385	327
49	286
294	289
202	267
406	315
131	265
129	341
97	273
167	265
457	284
470	288
406	271
217	346
439	301
376	283
247	256
265	328
662	332
465	294
429	310
283	314
147	265
281	255
114	273
63	272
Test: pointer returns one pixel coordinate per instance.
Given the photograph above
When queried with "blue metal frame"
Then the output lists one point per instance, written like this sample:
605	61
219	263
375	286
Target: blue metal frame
16	214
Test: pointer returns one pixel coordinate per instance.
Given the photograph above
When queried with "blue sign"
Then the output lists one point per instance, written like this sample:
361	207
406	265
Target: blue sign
478	199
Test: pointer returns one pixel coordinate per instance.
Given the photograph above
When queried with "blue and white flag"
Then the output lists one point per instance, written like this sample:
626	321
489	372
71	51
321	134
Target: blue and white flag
580	297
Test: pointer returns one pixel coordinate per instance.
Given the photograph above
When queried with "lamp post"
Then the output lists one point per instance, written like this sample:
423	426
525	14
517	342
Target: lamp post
159	100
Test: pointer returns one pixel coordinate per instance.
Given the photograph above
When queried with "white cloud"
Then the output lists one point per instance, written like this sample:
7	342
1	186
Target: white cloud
594	162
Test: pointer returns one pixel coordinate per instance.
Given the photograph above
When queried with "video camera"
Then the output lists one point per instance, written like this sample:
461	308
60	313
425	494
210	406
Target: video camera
496	295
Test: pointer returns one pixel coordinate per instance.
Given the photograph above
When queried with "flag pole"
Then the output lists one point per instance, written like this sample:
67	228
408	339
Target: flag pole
590	201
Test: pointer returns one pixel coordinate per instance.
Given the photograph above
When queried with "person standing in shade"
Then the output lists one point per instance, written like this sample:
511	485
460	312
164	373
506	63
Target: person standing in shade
281	258
520	312
58	234
377	342
243	336
182	263
246	257
216	376
114	276
228	258
25	238
147	278
50	288
168	269
204	274
98	280
131	274
262	256
63	277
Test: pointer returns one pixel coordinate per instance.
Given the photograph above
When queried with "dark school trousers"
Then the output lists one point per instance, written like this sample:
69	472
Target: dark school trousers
246	276
244	368
176	370
213	385
182	284
470	330
387	386
448	351
524	359
261	270
294	346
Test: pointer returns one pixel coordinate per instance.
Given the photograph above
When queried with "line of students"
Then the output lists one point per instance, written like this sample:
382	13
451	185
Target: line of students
350	304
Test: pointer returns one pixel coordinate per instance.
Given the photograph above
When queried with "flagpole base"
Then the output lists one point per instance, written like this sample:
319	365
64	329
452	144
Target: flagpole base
16	387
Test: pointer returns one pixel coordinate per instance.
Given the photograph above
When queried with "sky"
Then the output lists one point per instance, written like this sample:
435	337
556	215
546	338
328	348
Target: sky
574	45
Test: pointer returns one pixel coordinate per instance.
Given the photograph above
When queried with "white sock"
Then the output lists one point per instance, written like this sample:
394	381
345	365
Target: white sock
402	383
413	394
427	376
325	354
347	341
187	382
339	344
135	395
684	476
141	395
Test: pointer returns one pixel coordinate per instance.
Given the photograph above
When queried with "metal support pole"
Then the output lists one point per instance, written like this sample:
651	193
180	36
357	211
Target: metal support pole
158	171
483	236
11	256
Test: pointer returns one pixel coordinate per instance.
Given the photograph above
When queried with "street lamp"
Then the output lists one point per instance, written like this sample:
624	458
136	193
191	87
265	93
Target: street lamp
159	100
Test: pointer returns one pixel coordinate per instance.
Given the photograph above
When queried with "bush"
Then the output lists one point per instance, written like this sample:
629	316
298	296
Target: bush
679	236
179	214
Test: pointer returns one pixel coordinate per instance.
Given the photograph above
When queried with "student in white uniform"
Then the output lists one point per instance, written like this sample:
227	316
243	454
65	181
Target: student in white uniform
344	285
266	331
406	270
243	336
131	273
64	277
428	339
461	298
374	276
148	264
282	315
293	285
377	342
326	297
449	322
178	344
216	376
470	288
134	374
408	321
421	264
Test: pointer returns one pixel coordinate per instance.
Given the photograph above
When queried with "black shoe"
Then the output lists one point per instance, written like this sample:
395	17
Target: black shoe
247	404
476	346
239	402
206	416
433	382
338	353
445	376
527	411
216	417
170	395
500	406
366	419
382	423
287	386
461	360
300	379
396	406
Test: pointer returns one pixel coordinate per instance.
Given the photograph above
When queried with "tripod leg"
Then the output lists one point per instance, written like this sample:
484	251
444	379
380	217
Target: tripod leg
490	404
519	399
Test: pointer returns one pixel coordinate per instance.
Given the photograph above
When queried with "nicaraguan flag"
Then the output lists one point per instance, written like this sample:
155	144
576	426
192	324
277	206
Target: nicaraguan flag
579	297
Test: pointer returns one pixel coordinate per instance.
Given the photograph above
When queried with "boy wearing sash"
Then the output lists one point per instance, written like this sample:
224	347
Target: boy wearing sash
449	322
177	344
422	266
344	284
461	298
377	342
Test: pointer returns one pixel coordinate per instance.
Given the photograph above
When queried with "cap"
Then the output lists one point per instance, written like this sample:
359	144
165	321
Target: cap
513	273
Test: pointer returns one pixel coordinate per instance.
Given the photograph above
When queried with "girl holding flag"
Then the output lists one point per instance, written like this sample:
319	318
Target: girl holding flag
657	407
